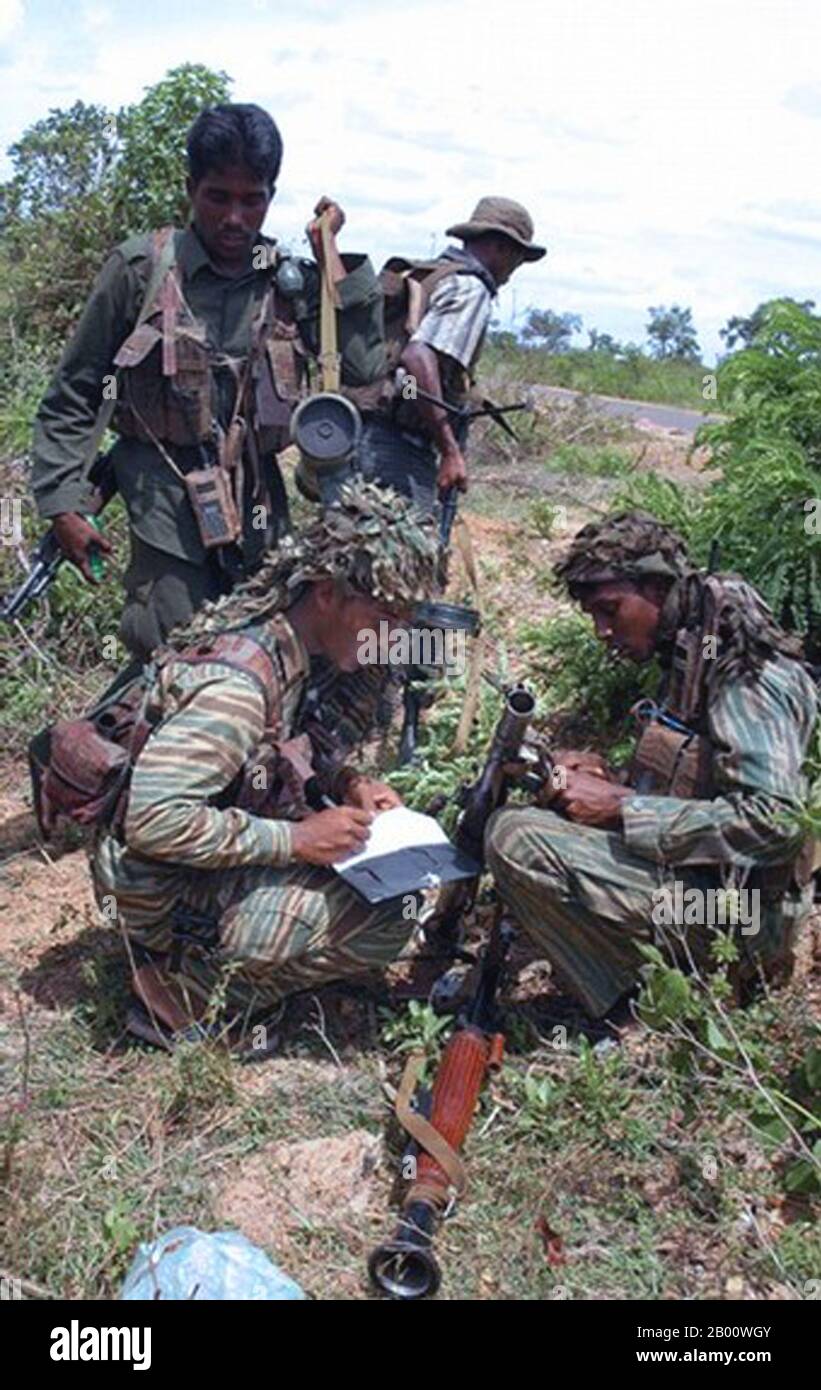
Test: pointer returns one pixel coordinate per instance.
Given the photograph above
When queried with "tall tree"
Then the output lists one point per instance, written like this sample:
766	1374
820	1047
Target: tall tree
672	333
603	342
551	331
148	184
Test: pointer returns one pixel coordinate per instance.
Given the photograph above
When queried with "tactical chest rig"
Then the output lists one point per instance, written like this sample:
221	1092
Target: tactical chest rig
675	755
168	394
81	768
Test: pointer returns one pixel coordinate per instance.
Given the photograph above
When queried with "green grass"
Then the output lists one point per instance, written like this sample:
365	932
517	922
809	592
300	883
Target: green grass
590	461
646	1178
638	378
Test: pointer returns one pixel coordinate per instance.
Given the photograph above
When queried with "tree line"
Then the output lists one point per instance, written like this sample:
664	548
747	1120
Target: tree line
671	333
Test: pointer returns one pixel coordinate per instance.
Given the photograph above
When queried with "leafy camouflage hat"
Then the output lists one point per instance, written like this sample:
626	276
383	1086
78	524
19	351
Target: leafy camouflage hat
630	545
371	538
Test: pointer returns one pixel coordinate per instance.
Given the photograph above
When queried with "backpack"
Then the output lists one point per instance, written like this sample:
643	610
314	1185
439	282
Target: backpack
81	768
407	286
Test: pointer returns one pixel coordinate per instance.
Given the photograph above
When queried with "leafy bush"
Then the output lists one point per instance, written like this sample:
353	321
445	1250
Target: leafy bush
439	771
83	180
677	506
769	451
579	681
764	510
726	1050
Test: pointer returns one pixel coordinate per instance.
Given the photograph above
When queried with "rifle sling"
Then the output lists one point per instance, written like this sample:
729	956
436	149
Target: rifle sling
471	700
427	1137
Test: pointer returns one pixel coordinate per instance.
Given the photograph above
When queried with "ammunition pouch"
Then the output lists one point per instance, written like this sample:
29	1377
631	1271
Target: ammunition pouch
167	389
672	762
81	768
175	407
668	762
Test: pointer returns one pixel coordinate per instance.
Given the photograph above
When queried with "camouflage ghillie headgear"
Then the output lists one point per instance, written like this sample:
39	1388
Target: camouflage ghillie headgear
631	545
636	546
371	539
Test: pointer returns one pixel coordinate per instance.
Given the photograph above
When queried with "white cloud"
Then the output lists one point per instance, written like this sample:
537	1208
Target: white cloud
666	152
11	17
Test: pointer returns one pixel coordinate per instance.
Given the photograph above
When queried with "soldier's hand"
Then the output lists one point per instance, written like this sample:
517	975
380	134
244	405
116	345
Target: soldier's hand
328	836
580	760
590	800
373	796
336	221
77	537
452	473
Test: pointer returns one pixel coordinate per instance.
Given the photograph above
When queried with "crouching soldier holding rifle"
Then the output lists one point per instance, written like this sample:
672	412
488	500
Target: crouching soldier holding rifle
709	800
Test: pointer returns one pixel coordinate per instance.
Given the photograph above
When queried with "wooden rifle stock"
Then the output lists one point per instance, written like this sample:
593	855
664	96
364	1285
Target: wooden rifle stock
405	1267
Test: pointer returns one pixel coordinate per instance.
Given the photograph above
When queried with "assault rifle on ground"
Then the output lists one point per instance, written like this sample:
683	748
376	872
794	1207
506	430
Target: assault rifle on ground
47	557
405	1267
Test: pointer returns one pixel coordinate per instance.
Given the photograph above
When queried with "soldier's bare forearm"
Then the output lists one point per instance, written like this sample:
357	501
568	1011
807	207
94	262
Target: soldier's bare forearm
421	363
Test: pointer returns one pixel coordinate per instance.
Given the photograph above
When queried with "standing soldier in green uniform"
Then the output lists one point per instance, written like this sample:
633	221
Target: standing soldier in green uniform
218	826
707	800
199	340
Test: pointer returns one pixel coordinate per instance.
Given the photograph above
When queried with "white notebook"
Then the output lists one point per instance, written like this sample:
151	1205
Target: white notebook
393	830
405	853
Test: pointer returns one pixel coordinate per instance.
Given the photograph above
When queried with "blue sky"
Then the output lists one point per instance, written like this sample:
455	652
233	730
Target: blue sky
667	151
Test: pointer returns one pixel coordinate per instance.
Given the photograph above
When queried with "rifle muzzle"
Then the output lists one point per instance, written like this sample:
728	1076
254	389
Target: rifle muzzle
405	1267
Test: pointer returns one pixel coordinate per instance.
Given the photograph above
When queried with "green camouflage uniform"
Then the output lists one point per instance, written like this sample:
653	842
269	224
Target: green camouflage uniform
586	896
282	926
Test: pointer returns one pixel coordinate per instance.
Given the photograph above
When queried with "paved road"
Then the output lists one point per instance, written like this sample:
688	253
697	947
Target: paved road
668	417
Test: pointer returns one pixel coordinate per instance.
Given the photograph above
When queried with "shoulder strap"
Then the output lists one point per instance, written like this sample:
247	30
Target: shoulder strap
687	687
420	289
163	257
241	652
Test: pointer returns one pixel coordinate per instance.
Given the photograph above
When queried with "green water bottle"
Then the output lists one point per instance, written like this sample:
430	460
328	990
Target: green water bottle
95	559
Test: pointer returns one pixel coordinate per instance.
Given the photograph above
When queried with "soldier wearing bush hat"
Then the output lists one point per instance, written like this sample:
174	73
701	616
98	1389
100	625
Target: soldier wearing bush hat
412	443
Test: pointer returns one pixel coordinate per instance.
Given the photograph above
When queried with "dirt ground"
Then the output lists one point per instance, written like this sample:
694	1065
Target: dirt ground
298	1183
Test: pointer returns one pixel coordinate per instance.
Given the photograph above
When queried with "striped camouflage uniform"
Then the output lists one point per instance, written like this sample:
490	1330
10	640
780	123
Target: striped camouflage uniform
281	926
586	896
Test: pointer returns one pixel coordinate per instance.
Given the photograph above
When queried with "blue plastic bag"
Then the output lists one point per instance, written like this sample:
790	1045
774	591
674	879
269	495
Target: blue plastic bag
189	1264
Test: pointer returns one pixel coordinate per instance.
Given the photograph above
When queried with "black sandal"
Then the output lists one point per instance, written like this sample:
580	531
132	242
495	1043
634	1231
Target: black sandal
150	1029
